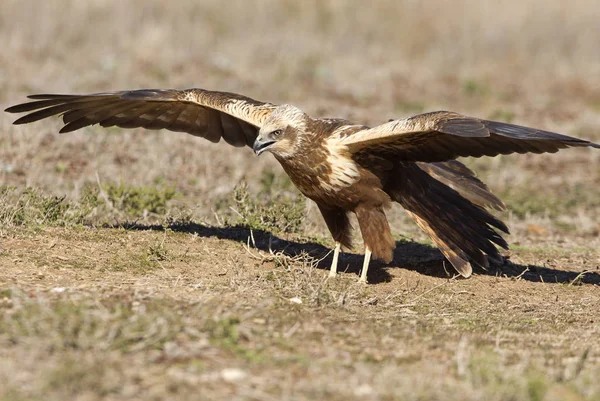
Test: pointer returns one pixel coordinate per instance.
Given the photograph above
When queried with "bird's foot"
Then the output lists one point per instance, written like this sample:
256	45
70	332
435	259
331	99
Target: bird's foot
365	269
334	262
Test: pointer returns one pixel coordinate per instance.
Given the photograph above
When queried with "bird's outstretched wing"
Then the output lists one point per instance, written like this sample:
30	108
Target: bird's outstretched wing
464	181
208	114
442	135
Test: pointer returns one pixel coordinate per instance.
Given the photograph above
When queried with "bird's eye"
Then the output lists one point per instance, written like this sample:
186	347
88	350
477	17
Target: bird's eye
276	134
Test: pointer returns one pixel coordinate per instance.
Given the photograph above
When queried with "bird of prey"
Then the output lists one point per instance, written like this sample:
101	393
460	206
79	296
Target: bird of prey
343	167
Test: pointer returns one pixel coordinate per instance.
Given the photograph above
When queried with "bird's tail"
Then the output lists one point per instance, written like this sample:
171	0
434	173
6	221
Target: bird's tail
450	209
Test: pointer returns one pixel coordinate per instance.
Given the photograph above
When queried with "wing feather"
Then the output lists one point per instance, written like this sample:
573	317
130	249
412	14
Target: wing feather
151	119
233	132
119	113
460	178
209	114
248	132
171	116
100	106
214	123
53	110
442	136
181	120
210	134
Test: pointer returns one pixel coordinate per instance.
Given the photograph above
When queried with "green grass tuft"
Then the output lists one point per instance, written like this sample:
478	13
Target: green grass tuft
135	201
270	210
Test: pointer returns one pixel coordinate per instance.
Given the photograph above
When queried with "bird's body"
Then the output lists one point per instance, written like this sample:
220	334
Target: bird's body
328	174
343	167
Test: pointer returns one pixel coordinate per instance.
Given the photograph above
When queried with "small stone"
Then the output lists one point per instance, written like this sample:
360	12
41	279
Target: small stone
363	390
296	300
233	374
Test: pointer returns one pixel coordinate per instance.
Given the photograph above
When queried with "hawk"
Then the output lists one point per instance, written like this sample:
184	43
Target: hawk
343	167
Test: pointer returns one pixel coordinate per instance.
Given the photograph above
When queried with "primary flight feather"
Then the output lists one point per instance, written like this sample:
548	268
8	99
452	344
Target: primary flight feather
343	167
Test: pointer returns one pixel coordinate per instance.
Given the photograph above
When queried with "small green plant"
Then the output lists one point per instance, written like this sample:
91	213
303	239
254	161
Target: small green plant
409	106
134	201
502	115
272	209
33	207
225	332
158	252
472	87
521	203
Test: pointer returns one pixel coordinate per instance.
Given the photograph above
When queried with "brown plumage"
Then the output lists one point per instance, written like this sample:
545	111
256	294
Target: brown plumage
343	167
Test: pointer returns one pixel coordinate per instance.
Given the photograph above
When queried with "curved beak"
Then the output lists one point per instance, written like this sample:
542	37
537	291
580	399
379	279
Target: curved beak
260	146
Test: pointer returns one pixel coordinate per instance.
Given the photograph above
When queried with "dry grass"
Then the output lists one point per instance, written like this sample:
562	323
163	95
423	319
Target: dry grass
99	301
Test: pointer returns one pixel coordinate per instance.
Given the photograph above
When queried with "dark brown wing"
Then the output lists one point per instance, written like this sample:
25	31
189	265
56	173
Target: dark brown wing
208	114
464	181
442	136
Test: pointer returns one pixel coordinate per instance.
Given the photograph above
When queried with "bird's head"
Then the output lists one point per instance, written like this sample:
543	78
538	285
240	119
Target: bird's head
281	133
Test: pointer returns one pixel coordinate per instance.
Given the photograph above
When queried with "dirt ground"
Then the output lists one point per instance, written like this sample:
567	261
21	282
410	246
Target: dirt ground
102	314
139	265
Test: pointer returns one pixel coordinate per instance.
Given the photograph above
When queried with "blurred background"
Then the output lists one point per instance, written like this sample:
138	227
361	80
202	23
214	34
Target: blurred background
531	62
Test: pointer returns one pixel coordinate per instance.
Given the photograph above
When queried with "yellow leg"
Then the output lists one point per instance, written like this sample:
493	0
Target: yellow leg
334	262
363	274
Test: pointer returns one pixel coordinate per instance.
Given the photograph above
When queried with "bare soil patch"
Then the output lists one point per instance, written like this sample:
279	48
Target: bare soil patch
150	314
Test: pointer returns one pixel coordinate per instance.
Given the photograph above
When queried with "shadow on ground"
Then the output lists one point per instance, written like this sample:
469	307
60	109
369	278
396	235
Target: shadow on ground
409	255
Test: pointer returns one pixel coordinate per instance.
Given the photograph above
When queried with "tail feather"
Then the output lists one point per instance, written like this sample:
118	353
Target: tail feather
376	232
462	229
453	253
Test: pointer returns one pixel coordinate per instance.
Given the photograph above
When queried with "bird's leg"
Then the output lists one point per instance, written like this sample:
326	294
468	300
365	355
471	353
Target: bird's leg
363	274
334	262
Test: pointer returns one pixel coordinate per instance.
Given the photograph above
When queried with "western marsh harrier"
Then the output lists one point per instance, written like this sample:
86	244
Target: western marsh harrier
343	167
